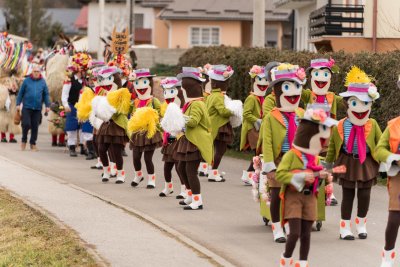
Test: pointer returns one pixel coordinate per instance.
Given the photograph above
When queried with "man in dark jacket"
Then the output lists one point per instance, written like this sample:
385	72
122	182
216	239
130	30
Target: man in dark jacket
32	95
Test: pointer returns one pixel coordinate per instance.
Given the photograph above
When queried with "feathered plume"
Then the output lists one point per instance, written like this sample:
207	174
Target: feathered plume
120	100
144	120
173	121
356	75
84	105
236	107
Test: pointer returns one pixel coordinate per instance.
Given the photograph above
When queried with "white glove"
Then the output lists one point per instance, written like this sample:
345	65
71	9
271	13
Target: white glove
257	124
187	118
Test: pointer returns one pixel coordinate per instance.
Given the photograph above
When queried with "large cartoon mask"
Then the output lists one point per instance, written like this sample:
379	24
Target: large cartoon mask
320	81
143	83
259	80
171	90
109	78
358	111
219	76
192	83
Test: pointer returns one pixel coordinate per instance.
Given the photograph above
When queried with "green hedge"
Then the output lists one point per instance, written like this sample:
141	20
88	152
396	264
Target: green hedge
384	67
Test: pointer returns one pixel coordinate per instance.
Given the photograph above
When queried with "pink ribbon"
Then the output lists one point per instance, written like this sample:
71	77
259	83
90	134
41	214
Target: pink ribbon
358	132
357	89
195	73
286	75
141	74
321	64
292	126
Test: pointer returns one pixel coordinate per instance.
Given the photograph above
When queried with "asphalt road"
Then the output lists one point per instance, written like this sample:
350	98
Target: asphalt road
229	225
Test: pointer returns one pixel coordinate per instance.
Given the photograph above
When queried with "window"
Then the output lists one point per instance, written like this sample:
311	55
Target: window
204	36
271	37
139	21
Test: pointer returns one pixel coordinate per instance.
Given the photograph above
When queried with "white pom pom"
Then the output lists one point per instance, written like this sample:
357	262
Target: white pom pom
94	121
236	107
102	109
173	121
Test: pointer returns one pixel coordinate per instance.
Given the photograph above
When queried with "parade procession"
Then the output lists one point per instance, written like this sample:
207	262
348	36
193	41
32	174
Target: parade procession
230	161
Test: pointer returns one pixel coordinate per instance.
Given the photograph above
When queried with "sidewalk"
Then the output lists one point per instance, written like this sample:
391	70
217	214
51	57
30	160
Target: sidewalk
119	237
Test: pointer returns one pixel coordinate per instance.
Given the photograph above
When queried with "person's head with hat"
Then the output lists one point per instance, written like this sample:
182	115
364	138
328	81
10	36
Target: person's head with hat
124	65
143	83
259	83
360	95
172	91
192	83
108	77
219	76
320	71
287	81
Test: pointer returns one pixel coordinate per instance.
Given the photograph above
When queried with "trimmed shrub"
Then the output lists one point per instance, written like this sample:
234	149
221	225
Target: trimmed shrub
384	67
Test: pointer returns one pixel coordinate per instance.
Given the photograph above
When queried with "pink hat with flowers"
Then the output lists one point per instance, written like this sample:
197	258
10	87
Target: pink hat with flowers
170	82
220	72
287	72
317	113
257	71
321	63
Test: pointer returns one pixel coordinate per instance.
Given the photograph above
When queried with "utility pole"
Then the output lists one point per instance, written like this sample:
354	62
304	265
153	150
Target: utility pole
258	23
29	19
128	14
101	30
132	21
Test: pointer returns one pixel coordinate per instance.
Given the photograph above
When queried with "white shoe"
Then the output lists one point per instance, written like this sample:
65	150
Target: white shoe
203	169
301	264
120	177
168	190
197	203
113	169
138	178
388	258
345	230
151	181
182	194
214	176
106	174
361	226
188	199
279	235
247	177
286	262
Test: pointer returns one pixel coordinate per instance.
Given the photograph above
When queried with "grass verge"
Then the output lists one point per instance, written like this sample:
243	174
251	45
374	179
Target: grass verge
28	238
239	154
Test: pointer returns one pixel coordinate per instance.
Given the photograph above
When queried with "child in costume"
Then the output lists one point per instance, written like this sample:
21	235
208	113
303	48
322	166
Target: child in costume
279	128
252	116
321	71
301	176
173	96
353	144
143	141
221	129
196	143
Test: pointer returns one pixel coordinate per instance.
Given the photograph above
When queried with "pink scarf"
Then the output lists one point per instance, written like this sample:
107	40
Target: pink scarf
143	103
261	99
292	126
165	138
321	99
311	165
358	132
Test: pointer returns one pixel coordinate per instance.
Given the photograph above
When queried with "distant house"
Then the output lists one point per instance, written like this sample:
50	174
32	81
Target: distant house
191	23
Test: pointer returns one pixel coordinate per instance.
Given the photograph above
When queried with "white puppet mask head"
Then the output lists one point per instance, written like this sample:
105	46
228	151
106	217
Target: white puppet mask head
287	95
358	111
260	86
171	95
320	80
143	87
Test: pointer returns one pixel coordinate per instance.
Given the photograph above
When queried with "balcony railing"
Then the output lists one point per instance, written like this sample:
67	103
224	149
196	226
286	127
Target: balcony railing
336	20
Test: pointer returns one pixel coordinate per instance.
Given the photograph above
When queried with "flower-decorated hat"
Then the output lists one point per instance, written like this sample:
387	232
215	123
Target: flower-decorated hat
321	63
287	72
359	84
317	113
220	72
170	82
123	64
190	72
257	71
107	71
80	62
140	73
269	68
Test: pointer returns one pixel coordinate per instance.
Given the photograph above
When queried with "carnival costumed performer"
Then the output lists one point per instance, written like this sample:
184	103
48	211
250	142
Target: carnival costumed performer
70	96
320	72
196	143
144	130
252	116
113	110
278	132
8	106
301	176
221	129
353	144
173	97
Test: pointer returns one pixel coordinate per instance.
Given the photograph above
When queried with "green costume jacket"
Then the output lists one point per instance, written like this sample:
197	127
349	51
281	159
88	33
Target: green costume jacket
309	97
219	114
387	148
372	135
198	129
268	105
251	113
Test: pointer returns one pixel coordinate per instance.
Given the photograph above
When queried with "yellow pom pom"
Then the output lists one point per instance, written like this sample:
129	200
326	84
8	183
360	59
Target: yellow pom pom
84	105
163	108
120	100
144	120
356	75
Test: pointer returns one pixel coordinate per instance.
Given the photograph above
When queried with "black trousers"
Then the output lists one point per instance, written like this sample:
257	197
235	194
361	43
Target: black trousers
30	121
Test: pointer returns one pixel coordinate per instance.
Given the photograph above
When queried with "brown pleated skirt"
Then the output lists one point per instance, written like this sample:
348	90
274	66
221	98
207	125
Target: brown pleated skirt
358	175
139	142
168	152
111	133
252	138
225	134
186	151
